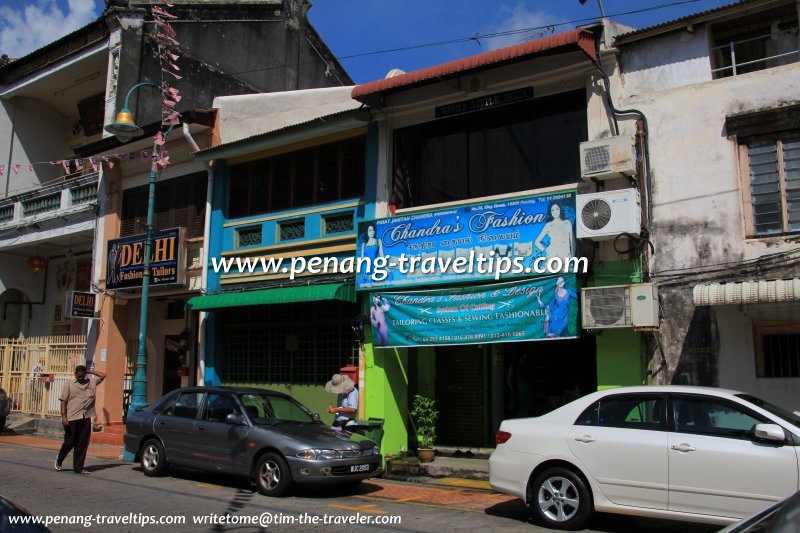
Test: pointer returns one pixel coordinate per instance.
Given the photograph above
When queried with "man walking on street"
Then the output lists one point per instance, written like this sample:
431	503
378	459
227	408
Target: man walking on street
77	410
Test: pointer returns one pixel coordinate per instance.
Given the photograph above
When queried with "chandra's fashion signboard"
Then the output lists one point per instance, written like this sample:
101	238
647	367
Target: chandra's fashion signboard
540	309
467	243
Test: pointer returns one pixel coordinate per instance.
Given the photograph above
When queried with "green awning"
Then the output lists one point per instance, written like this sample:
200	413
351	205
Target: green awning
284	295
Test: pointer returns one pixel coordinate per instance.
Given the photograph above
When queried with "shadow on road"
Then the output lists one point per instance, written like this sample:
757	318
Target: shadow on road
99	467
244	486
605	522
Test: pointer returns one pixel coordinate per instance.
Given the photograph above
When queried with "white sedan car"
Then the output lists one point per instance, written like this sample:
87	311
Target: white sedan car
687	453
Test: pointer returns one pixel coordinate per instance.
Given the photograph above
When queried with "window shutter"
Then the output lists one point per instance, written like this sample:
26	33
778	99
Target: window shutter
765	188
791	174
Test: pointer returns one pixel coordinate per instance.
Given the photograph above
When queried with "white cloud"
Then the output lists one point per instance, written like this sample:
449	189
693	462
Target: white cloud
28	28
518	17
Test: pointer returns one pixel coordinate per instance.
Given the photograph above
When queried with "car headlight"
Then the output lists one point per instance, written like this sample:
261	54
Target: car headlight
376	450
319	454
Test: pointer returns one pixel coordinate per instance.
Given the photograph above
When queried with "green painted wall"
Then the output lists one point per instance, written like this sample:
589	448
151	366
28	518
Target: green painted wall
619	351
619	359
614	273
312	396
386	382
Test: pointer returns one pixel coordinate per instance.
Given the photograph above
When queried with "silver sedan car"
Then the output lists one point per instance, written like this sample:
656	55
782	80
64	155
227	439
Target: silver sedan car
268	436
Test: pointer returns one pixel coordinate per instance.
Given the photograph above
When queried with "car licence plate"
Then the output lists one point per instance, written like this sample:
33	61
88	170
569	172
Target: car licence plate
359	468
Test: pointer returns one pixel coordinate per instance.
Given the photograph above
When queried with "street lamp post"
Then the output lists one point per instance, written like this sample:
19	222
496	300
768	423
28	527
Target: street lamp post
124	129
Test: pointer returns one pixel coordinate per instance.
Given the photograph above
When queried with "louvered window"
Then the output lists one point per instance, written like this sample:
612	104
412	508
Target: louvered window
774	180
179	202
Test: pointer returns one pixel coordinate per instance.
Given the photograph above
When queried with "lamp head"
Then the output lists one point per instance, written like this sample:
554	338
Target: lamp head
124	128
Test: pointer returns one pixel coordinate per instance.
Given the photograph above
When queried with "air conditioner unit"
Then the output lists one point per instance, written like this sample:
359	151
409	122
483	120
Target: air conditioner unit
608	158
604	215
621	306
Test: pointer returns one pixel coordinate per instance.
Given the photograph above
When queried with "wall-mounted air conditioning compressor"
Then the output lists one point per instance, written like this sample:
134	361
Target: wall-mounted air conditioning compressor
608	158
620	306
604	215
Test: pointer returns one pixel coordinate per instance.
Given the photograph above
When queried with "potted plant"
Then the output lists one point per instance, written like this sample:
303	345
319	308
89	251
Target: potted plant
424	415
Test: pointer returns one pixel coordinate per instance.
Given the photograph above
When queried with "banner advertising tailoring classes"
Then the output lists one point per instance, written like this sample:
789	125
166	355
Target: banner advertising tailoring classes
540	309
446	245
125	260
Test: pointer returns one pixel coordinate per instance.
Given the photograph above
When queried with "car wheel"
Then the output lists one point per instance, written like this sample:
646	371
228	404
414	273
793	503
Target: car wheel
153	459
560	499
272	475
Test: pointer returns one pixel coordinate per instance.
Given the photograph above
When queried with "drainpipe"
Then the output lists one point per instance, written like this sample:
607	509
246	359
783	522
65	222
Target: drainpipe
201	320
643	140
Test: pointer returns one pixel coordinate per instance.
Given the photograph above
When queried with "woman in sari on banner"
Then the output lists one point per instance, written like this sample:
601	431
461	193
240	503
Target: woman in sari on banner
556	322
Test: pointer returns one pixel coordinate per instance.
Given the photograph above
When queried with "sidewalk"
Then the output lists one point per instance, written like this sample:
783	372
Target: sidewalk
101	451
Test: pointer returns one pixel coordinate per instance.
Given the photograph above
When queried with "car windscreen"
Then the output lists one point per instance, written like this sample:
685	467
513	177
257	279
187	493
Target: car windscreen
266	409
781	413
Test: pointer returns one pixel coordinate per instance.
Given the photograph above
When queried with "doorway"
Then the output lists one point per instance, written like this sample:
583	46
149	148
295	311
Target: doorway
174	359
461	373
544	375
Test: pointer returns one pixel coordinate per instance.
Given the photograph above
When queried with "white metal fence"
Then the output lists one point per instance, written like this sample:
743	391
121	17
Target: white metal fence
33	371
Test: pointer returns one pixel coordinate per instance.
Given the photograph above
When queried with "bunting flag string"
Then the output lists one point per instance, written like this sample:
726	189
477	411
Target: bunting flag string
78	164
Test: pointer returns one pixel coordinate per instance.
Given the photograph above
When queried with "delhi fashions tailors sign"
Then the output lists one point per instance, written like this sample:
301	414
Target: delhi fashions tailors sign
541	309
80	304
452	241
125	260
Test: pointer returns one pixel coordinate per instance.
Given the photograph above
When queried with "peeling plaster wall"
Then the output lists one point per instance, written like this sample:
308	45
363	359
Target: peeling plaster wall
649	71
28	118
698	208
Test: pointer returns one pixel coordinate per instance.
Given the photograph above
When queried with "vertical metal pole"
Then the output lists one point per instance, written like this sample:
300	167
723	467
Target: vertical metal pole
602	11
139	397
733	58
362	393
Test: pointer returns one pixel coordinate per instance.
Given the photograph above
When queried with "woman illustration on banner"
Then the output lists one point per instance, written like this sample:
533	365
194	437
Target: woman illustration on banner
377	316
556	321
371	248
559	229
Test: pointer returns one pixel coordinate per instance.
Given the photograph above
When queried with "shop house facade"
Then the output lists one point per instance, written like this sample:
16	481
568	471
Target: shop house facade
488	133
57	102
724	150
291	182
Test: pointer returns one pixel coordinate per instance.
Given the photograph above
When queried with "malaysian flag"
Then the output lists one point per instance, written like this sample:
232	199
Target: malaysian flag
401	189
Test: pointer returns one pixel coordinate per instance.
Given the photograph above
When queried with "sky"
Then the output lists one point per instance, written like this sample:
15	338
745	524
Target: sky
352	28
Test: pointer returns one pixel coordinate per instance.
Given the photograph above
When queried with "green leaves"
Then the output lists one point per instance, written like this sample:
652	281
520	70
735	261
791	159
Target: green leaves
425	414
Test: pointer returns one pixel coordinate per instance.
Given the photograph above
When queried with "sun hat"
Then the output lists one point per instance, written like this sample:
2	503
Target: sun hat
339	384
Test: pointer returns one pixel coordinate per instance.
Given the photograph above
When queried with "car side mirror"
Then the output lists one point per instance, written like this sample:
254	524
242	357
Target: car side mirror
768	433
234	419
315	417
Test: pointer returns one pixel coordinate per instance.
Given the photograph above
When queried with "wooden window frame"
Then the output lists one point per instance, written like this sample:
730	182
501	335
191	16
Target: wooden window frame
778	327
747	198
314	153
